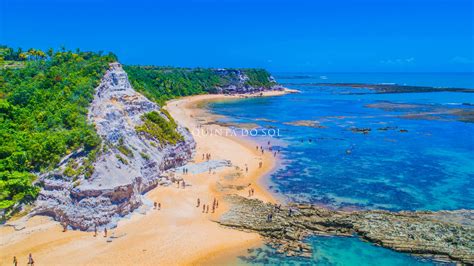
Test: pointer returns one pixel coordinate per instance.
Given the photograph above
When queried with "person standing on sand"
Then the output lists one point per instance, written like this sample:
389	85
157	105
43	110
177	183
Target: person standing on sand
159	206
246	169
198	203
105	232
31	261
15	261
154	205
203	208
207	208
217	204
184	184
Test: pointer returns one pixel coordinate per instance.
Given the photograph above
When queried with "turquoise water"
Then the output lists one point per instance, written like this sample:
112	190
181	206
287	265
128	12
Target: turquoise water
336	251
453	80
418	154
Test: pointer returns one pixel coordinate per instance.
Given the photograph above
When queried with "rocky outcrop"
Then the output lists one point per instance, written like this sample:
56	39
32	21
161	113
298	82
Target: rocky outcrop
127	165
444	234
246	89
239	83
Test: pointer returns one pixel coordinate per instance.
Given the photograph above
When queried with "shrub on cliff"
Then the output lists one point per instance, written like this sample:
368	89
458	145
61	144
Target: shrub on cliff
159	128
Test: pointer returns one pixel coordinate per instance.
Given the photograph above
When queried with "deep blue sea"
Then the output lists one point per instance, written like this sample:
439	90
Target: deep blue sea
417	152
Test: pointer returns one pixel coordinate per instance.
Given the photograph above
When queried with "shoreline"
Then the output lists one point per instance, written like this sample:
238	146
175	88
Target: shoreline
191	112
152	236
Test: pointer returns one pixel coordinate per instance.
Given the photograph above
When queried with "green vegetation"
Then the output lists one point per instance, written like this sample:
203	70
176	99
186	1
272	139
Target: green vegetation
44	98
9	58
121	159
258	78
43	115
164	83
124	149
145	156
159	128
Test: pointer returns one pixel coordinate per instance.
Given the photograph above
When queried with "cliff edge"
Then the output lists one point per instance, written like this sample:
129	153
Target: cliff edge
128	163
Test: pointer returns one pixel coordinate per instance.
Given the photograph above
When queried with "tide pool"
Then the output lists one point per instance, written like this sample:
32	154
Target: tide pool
341	251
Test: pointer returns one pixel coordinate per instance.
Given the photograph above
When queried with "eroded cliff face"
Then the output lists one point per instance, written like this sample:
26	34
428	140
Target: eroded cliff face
127	165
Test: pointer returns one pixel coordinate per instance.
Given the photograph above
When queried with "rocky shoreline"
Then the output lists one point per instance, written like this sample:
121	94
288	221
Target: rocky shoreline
445	235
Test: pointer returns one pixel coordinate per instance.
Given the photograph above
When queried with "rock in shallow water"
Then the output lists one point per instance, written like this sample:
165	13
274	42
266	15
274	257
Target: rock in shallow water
439	234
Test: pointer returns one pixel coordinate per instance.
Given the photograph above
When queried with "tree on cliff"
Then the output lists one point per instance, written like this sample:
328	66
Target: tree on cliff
43	115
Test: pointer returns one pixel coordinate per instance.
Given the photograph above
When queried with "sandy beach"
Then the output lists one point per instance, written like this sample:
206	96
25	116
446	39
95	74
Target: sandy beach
179	233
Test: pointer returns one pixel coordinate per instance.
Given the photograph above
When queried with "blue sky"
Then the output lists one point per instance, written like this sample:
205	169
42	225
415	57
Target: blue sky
319	36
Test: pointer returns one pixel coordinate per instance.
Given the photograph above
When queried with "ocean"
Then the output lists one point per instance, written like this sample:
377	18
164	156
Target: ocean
349	148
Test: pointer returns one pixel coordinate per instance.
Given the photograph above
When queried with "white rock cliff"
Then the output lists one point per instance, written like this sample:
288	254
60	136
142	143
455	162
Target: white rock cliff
118	181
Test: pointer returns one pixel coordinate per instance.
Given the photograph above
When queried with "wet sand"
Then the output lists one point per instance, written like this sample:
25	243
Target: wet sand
179	233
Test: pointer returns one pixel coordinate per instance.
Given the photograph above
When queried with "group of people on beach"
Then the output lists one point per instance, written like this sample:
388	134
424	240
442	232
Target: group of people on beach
207	156
262	150
185	171
157	205
95	231
31	261
205	208
251	192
